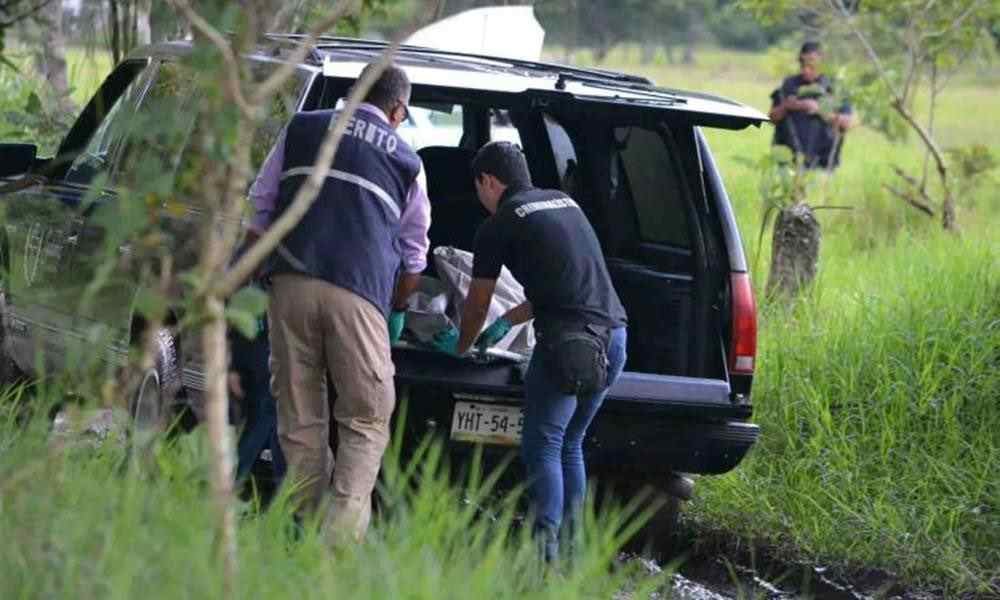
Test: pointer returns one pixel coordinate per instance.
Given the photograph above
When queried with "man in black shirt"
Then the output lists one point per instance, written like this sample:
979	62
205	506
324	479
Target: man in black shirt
800	120
545	240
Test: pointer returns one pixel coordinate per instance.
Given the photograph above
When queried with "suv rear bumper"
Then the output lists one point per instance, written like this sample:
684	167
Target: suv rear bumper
647	442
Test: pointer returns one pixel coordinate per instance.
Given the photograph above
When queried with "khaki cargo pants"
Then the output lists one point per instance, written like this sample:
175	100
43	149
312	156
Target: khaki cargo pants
316	328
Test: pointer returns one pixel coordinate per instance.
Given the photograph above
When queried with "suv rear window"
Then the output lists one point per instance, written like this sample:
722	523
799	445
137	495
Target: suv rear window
655	186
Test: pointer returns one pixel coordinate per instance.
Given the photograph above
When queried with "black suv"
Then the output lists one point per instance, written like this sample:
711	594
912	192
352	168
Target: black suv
630	153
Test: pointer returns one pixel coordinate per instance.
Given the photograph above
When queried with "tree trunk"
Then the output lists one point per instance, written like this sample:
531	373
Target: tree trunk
794	251
143	28
647	53
113	22
948	219
688	58
51	57
213	340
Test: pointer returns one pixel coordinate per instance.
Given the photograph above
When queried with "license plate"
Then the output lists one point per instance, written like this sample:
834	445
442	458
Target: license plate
487	423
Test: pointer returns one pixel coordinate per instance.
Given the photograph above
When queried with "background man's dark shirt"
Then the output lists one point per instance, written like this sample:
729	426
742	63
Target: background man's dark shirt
545	240
807	134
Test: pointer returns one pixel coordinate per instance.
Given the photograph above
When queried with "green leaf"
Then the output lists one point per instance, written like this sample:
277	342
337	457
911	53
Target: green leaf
782	154
243	321
250	299
190	279
245	309
34	105
150	304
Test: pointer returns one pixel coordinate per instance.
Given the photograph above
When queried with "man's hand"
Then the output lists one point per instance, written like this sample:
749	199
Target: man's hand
843	122
446	341
397	320
493	334
807	105
235	385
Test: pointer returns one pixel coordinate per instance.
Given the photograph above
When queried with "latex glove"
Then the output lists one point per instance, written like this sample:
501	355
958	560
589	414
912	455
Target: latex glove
493	334
397	320
446	341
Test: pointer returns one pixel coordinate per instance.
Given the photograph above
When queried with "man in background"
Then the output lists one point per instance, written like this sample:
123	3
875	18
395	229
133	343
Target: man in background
814	132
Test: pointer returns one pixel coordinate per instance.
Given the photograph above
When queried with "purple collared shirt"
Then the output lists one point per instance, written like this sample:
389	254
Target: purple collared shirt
413	222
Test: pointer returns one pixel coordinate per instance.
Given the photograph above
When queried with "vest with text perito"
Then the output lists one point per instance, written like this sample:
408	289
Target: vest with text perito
350	235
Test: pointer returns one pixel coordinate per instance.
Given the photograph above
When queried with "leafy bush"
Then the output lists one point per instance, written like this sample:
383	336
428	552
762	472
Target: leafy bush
28	112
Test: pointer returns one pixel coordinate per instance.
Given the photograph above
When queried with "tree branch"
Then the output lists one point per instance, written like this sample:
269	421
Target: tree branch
925	137
13	19
956	23
930	120
838	6
213	35
309	190
909	199
306	195
284	14
923	204
913	54
269	86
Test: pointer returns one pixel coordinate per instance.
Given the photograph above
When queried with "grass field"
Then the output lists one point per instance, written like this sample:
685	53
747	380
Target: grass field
877	393
80	522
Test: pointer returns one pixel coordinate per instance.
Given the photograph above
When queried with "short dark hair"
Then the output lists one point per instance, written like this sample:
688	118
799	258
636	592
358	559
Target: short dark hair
810	47
503	160
392	86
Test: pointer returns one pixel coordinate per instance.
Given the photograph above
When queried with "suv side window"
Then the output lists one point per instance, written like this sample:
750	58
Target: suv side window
108	114
158	129
283	106
655	186
564	153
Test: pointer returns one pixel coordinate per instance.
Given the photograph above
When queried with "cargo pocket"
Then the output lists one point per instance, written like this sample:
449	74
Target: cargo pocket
383	393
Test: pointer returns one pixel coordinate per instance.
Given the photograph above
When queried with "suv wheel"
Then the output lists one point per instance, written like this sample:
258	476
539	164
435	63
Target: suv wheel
152	402
658	537
9	372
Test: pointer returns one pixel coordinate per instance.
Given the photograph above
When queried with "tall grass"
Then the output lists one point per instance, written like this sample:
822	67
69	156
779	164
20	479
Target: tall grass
877	397
102	523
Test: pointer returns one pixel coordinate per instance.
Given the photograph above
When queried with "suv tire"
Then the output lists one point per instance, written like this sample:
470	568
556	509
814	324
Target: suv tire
153	400
658	537
9	373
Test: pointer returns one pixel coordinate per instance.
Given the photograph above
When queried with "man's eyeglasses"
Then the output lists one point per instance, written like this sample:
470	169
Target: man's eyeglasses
406	109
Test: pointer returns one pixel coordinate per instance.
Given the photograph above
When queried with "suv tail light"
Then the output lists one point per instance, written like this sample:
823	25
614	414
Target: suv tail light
743	348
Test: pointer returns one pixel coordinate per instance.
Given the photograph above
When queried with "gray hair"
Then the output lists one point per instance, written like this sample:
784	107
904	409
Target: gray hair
392	86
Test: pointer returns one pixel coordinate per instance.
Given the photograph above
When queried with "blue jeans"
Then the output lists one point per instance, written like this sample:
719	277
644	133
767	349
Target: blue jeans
552	442
250	360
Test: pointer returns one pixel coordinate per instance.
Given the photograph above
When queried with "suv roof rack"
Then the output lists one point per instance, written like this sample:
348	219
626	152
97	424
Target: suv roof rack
588	74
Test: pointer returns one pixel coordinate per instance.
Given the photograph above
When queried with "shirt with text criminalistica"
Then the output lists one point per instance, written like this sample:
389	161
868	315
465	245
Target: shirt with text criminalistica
549	246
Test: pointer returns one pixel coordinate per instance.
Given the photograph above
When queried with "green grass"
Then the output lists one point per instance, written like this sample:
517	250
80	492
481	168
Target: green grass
45	123
86	523
877	393
881	434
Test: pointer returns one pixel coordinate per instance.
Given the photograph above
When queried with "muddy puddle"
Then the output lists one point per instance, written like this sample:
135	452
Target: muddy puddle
719	578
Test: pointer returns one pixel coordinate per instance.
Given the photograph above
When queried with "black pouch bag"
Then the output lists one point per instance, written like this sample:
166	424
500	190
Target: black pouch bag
577	356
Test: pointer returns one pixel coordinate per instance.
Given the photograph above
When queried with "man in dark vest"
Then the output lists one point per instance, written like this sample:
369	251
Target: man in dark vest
340	283
549	246
814	134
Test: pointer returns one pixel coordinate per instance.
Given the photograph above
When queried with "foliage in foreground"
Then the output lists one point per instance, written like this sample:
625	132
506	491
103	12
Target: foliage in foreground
881	434
103	523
